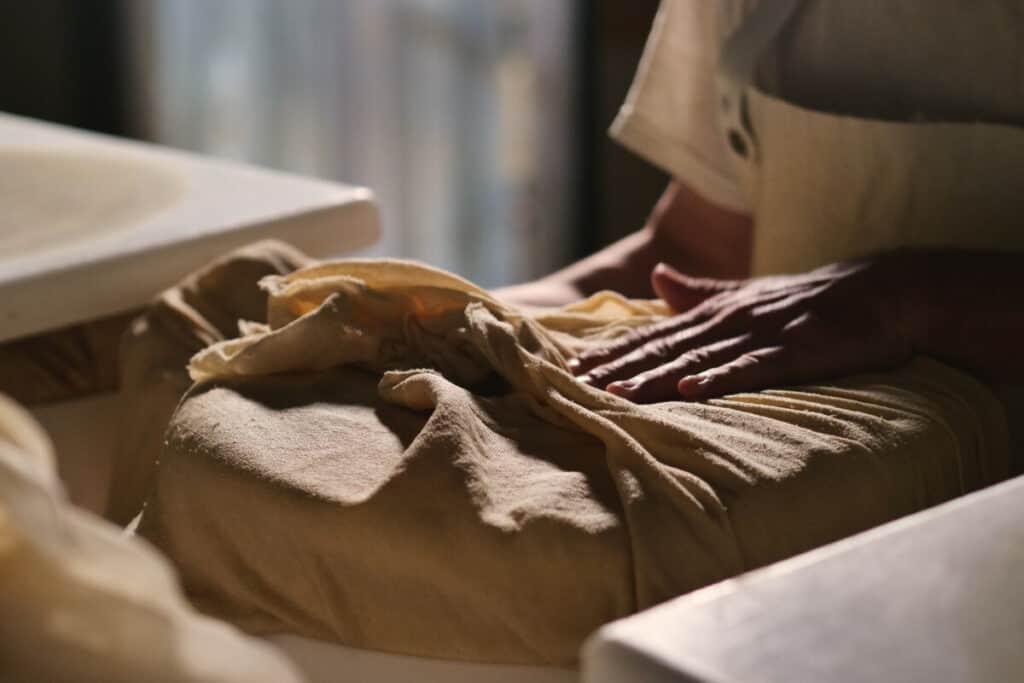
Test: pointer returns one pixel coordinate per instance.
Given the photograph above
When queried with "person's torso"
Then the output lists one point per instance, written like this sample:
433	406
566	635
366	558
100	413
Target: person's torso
868	126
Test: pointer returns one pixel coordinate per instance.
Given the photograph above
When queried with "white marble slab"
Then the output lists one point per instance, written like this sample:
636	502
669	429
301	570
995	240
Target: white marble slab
92	225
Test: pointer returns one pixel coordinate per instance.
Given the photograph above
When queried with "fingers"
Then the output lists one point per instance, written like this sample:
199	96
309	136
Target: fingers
743	336
789	363
635	340
682	292
660	383
751	370
660	349
722	316
696	339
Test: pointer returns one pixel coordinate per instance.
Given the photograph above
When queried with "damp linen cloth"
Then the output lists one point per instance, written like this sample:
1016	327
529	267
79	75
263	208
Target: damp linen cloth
396	460
204	308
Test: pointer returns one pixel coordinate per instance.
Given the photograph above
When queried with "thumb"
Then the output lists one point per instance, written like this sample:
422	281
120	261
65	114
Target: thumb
682	292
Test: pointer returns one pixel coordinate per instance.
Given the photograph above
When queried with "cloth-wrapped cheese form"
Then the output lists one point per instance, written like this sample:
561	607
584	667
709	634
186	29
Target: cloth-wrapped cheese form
396	460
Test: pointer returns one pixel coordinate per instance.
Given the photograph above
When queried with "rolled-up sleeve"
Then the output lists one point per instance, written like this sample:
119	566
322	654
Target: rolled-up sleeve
670	116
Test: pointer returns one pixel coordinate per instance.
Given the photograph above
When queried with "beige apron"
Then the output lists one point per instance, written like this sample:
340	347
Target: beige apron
826	187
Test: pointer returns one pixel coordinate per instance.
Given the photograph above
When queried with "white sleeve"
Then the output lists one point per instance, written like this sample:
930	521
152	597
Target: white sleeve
670	116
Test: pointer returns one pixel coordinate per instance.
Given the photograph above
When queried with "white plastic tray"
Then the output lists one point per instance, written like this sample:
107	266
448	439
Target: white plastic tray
92	225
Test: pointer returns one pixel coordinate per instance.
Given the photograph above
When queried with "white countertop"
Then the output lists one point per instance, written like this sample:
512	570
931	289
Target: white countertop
92	225
935	597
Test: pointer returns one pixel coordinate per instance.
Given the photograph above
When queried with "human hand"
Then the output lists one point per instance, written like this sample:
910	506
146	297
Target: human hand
744	335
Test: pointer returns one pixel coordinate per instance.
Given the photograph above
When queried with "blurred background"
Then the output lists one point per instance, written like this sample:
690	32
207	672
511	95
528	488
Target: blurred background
480	124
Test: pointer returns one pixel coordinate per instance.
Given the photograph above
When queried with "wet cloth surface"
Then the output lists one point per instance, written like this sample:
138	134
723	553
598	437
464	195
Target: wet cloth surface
395	460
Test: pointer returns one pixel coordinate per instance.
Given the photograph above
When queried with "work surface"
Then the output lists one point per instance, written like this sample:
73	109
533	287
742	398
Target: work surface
92	225
934	597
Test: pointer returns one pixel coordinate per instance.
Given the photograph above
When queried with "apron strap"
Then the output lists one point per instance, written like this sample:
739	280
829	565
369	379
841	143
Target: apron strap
736	67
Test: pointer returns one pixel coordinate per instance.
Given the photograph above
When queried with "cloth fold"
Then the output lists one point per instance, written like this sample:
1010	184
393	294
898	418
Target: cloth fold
203	309
397	460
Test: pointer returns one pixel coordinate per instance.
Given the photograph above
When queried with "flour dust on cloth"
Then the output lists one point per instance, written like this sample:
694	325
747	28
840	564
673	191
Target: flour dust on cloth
395	460
83	602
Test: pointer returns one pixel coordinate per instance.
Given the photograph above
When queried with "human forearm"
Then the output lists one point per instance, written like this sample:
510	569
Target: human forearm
966	308
683	230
